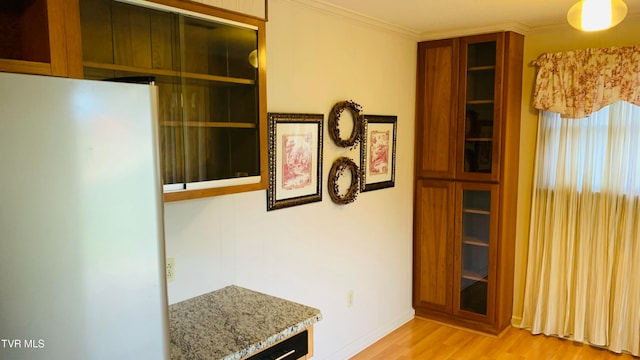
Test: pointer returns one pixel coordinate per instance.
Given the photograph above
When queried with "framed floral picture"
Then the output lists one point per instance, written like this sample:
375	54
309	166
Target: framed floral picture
295	159
378	152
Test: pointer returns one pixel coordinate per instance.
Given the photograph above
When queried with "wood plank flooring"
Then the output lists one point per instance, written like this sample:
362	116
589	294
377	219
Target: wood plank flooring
425	339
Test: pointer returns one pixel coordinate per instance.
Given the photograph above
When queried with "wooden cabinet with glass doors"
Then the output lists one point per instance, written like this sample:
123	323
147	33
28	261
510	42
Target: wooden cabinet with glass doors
467	133
211	85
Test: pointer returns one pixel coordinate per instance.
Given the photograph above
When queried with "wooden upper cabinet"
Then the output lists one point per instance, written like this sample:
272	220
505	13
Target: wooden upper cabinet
463	108
208	65
436	126
40	37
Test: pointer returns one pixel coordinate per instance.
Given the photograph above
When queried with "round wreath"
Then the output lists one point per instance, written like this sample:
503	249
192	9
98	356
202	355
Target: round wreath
339	166
334	118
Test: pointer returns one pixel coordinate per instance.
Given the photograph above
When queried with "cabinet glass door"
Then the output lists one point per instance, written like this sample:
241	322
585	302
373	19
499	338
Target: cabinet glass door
125	42
220	100
206	70
476	214
478	112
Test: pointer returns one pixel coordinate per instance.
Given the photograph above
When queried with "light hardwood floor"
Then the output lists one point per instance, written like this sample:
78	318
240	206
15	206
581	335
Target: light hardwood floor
425	339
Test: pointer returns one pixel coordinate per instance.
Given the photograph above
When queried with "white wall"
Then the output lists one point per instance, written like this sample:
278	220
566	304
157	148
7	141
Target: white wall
317	253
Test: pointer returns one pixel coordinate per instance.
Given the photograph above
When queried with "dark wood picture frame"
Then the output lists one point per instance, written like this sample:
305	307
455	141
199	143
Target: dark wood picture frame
378	152
295	159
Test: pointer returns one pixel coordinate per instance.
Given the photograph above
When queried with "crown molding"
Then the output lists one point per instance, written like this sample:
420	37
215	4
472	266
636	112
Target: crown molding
524	29
333	9
458	32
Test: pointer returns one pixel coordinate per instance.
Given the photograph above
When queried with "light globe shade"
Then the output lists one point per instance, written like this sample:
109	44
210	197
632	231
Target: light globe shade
595	15
253	58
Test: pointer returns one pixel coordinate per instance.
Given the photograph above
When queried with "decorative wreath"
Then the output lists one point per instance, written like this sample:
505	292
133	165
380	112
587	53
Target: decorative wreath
334	118
337	169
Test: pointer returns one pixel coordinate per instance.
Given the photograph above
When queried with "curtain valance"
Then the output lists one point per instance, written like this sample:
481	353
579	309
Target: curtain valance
577	83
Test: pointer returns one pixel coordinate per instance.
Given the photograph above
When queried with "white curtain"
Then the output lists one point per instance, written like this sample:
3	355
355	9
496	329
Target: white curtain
583	270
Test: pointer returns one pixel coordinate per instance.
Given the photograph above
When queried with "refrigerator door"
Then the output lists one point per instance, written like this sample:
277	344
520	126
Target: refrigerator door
81	233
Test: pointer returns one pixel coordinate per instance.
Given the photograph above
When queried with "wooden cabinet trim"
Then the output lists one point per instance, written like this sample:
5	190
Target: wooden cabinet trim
57	37
28	67
72	38
202	8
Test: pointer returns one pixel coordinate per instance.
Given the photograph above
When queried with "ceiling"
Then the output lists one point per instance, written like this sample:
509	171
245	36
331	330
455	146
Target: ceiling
435	18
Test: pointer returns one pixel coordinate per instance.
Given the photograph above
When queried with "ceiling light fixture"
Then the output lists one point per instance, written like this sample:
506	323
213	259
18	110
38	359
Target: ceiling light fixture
595	15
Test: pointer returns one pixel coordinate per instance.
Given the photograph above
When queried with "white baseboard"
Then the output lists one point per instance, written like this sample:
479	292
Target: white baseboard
371	337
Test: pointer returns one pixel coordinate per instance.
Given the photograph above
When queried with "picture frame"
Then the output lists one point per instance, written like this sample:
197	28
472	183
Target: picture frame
378	152
295	159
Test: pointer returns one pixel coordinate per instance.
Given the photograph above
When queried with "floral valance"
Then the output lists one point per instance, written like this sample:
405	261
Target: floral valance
577	83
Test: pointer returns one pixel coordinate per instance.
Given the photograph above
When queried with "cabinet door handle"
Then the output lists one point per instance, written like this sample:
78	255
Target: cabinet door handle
285	355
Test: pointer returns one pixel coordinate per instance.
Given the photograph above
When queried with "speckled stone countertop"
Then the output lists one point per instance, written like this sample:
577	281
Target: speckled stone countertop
233	322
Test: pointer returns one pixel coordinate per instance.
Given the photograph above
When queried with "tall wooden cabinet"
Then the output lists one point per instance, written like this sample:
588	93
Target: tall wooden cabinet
466	169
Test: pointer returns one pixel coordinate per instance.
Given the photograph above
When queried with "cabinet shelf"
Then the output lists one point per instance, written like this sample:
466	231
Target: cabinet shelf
475	275
474	242
31	67
170	73
481	68
209	124
479	139
476	211
479	102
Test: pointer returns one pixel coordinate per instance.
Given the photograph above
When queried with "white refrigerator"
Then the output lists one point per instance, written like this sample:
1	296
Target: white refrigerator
81	221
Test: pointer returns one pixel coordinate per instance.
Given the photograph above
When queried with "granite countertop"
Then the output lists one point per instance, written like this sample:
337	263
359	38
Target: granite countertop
232	323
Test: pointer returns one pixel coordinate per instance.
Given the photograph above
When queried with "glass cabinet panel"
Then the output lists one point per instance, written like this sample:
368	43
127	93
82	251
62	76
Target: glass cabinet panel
474	266
220	100
479	107
206	70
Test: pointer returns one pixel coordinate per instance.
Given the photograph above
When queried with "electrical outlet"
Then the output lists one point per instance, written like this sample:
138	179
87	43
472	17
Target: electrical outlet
171	270
350	298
